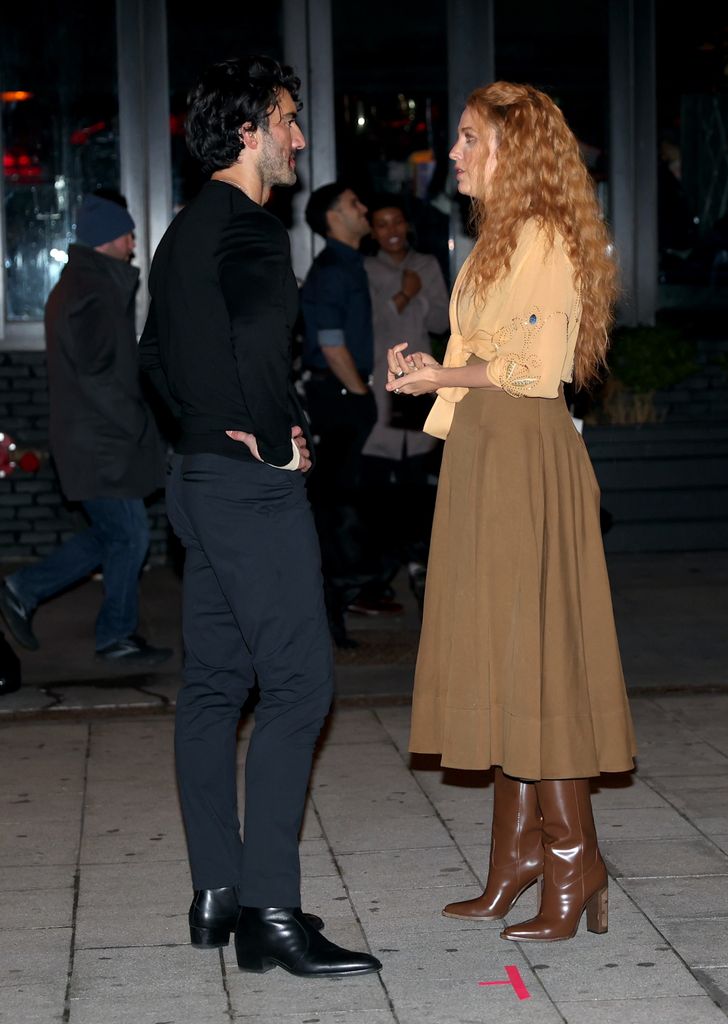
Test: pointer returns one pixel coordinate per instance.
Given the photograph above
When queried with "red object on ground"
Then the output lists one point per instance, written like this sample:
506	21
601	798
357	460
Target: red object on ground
514	979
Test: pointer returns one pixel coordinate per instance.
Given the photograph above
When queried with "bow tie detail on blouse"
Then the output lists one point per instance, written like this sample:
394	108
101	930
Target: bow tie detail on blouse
456	355
458	350
516	372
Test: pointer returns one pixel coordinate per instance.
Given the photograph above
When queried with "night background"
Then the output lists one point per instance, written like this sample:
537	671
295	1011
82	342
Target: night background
94	873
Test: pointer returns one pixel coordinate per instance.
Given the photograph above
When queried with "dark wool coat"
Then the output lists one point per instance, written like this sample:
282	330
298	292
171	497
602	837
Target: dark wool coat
102	433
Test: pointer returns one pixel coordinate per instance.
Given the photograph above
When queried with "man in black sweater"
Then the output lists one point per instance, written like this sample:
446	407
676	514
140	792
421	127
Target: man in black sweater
217	346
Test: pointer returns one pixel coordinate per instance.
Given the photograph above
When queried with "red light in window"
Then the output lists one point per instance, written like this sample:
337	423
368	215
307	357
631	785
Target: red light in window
81	136
177	124
22	167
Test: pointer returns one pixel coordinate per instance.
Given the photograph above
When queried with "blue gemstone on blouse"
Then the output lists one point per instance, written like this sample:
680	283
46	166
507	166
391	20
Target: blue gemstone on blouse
532	318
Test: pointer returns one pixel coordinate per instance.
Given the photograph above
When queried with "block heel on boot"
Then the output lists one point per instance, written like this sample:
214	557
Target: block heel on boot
574	878
254	963
597	912
209	938
212	917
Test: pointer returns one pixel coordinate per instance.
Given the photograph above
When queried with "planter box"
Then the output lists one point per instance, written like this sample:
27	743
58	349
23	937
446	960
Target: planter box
666	485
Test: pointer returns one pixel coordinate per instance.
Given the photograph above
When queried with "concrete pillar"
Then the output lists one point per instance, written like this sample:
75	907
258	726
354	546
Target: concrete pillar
633	155
470	63
308	46
144	142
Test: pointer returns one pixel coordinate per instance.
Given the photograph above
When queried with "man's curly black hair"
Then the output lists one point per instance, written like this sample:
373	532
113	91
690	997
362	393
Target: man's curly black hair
229	95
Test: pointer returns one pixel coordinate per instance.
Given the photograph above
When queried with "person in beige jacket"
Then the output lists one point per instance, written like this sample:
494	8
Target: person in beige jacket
409	302
519	666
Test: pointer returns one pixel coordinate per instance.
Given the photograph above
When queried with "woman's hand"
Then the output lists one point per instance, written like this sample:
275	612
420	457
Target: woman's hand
417	382
418	360
413	374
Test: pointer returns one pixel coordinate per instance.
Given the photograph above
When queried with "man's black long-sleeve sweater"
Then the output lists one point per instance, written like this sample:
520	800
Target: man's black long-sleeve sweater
217	342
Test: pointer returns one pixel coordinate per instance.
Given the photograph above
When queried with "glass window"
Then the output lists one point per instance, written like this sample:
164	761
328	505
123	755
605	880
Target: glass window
230	29
562	48
59	135
390	76
692	118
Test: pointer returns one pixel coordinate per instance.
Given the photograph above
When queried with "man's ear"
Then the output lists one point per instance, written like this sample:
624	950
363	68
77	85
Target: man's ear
248	136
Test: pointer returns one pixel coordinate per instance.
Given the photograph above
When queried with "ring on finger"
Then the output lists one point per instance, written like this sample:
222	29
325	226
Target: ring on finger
400	373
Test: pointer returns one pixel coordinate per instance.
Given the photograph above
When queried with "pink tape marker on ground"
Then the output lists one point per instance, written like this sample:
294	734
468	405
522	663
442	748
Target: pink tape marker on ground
514	979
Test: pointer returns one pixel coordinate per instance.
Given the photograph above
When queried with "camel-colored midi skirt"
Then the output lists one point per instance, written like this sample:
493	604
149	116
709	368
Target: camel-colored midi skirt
518	662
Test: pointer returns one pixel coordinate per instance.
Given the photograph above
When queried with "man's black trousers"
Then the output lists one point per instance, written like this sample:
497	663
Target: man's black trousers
252	610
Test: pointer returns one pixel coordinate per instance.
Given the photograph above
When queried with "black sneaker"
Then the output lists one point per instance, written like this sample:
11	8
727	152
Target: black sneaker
17	618
134	650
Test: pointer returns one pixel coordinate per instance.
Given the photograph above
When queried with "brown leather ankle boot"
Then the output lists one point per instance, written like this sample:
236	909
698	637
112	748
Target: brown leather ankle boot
516	852
575	878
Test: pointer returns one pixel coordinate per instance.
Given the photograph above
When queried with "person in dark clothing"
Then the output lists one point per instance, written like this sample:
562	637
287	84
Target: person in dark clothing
103	439
217	346
338	360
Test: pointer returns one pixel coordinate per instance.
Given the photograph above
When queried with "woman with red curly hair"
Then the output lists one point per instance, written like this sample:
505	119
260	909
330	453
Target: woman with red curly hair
519	666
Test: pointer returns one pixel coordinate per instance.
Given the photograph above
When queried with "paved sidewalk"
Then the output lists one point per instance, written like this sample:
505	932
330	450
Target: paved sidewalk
95	887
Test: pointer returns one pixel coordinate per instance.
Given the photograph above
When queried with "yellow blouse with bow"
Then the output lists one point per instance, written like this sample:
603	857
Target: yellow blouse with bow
526	331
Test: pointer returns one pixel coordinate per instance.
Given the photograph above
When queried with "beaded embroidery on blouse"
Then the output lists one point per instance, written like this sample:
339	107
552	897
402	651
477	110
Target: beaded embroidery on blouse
520	371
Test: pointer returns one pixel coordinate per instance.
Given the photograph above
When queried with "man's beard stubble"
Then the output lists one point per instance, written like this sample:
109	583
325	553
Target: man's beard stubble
274	168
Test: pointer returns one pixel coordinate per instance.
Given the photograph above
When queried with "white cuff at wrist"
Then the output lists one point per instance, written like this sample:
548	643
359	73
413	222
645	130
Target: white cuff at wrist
295	461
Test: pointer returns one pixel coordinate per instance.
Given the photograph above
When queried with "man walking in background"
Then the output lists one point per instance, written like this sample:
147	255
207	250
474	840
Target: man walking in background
103	439
217	346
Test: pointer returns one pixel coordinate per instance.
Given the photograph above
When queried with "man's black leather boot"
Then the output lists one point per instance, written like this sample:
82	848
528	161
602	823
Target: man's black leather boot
214	913
212	917
284	937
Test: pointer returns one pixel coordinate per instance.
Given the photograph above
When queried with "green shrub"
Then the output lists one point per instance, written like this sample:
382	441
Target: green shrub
647	359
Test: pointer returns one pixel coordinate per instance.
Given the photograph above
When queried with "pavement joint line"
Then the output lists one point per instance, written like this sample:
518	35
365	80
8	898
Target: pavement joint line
354	911
678	717
536	975
685	818
135	945
657	878
80	712
226	988
715	992
403	757
688	967
77	883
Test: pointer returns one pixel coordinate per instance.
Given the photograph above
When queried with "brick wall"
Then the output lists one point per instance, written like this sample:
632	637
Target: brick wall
34	517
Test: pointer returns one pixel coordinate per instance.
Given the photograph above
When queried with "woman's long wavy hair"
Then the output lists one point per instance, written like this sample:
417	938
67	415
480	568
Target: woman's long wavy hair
540	173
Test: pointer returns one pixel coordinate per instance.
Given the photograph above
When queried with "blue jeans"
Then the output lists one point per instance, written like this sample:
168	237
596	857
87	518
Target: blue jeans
116	541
